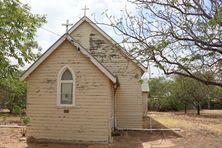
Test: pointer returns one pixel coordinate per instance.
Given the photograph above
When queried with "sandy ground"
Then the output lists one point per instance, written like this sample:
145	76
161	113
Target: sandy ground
204	131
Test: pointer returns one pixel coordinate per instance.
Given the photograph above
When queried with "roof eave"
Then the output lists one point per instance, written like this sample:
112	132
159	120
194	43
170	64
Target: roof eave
31	68
92	59
79	47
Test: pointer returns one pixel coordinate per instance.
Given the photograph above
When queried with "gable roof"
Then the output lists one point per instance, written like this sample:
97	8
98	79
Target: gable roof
79	47
85	18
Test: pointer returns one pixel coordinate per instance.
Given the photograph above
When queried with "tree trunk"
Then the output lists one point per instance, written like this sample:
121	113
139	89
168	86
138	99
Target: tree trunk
198	109
208	104
185	108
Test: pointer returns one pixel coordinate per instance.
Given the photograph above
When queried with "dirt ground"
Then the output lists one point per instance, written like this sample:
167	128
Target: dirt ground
204	131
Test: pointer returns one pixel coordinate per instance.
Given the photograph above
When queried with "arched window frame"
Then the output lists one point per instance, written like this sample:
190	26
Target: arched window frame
59	83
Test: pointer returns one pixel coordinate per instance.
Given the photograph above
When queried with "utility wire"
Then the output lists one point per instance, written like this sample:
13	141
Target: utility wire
50	31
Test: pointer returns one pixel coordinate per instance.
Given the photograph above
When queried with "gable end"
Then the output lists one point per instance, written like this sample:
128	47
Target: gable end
79	47
83	19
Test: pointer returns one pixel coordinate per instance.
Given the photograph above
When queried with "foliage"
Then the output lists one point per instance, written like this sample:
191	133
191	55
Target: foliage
190	91
17	35
18	27
26	120
180	92
165	104
179	37
159	87
161	99
216	92
15	92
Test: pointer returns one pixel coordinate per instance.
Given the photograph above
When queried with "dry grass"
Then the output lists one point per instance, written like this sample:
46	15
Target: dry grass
204	131
7	118
209	121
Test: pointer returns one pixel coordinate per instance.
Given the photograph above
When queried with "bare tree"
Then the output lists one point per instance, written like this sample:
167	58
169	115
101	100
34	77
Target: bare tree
182	37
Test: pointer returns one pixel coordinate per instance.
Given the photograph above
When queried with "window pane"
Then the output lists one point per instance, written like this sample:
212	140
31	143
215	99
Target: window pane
66	75
66	93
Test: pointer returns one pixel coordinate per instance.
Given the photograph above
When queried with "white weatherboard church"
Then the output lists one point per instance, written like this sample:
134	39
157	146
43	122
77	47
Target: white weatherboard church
83	87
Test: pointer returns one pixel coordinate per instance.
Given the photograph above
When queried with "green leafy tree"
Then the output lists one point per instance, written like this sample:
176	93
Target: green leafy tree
15	92
215	95
158	93
158	87
18	27
161	90
181	37
178	92
17	35
190	91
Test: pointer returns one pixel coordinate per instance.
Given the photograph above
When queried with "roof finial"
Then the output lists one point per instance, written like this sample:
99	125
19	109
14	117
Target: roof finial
67	25
85	10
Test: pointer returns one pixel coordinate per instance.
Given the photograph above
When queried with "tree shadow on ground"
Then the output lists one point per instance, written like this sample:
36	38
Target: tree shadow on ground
146	139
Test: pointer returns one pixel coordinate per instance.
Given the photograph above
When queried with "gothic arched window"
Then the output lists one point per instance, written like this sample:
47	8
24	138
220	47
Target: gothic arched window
66	85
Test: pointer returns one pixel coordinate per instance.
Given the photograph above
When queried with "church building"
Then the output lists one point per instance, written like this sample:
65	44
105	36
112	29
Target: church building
84	87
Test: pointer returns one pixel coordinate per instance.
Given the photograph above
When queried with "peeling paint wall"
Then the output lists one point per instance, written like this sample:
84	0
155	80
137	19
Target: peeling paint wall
129	101
89	119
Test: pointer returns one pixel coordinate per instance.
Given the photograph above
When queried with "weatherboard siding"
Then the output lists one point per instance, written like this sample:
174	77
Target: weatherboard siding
89	119
129	100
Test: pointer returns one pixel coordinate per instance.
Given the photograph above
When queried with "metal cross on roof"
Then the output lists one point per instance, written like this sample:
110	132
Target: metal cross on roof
67	25
85	10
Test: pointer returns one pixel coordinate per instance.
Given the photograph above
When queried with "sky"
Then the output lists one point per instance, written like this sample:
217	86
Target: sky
58	11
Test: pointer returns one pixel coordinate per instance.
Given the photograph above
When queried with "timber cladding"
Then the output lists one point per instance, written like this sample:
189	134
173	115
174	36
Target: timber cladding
98	105
88	119
129	100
